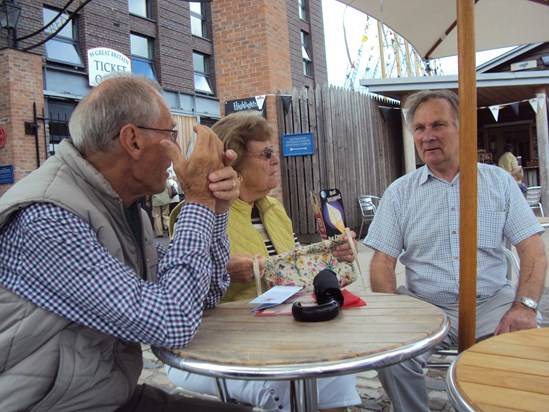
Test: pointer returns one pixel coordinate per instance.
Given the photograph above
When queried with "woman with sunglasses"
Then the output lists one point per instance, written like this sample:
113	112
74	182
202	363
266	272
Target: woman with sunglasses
258	225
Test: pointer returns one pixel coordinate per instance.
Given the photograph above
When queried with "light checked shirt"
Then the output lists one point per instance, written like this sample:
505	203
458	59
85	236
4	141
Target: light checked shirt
418	221
53	259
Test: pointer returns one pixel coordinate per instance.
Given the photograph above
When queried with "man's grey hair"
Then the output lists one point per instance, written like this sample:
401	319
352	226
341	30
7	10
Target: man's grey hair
415	99
118	100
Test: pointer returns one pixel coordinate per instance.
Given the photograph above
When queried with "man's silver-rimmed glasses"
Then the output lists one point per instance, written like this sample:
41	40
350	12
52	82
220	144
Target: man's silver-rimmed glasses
173	132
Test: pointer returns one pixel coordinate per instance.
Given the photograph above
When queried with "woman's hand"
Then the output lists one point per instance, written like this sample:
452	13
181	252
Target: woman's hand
240	267
344	251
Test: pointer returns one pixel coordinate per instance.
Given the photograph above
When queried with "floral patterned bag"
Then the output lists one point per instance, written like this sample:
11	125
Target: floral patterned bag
299	266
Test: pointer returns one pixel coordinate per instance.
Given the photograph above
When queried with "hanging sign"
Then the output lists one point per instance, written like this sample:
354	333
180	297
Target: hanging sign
299	144
2	137
249	103
103	61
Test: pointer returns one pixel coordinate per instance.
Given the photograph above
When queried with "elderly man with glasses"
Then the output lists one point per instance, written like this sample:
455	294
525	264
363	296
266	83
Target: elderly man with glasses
82	281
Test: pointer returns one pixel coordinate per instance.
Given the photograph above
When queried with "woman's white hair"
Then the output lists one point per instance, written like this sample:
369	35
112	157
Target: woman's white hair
120	99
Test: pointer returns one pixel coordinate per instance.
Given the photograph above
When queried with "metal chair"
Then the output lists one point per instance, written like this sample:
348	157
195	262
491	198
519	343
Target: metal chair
533	197
368	205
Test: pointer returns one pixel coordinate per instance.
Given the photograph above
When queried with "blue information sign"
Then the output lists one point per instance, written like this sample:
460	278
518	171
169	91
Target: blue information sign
299	144
6	174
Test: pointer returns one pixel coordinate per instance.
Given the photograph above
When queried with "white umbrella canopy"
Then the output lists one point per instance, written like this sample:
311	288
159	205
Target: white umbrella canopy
438	28
431	25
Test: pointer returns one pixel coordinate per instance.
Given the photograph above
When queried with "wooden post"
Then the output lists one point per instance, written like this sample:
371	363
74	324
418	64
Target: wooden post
468	173
543	146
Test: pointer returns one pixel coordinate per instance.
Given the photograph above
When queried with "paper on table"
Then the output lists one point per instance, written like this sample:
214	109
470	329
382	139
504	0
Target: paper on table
274	296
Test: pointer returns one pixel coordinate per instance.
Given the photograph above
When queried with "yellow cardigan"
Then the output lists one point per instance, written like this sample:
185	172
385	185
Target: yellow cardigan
244	238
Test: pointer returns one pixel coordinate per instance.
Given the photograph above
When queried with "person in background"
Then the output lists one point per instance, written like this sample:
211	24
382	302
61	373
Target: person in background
518	175
173	189
83	283
507	160
161	210
417	221
258	225
146	204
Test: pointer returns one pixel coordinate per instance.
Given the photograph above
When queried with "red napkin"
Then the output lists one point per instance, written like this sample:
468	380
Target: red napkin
350	300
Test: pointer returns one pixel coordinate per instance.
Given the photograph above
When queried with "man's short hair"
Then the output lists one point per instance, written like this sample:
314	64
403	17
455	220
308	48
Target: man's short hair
417	98
120	99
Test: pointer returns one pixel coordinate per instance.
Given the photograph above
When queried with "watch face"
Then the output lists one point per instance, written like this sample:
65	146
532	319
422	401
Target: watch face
531	303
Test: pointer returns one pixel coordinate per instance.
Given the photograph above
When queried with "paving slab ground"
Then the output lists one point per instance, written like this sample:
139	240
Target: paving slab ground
370	390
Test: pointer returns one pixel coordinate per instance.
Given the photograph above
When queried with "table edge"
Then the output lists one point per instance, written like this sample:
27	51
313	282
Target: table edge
305	370
454	395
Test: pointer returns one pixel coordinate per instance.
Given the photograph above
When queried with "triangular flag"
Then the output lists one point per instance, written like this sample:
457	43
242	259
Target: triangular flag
404	113
385	111
495	111
515	107
260	100
286	102
534	103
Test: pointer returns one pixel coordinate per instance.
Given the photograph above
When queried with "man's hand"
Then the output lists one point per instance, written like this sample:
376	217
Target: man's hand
193	173
240	267
533	267
224	184
344	251
517	318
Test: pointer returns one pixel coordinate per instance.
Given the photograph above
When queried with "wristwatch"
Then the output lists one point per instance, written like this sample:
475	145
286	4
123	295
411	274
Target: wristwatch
529	303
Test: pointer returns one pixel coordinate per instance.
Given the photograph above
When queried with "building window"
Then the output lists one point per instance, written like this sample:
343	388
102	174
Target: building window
140	8
64	47
142	56
198	20
306	53
57	122
201	64
303	12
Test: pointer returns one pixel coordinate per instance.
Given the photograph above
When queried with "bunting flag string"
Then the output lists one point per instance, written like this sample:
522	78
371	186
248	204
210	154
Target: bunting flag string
536	103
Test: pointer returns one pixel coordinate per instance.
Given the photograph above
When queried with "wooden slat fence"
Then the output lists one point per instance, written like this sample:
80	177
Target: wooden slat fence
356	151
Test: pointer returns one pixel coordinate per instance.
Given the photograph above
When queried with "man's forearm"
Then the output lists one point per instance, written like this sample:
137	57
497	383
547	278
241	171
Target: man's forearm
533	267
382	273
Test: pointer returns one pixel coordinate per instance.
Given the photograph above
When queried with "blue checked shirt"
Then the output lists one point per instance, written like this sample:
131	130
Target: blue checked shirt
53	259
418	220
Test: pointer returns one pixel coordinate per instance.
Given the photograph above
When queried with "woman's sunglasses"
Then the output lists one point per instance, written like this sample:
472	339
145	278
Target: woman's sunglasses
267	153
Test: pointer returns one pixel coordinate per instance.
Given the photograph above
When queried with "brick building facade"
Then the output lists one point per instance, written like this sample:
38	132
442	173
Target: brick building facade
202	54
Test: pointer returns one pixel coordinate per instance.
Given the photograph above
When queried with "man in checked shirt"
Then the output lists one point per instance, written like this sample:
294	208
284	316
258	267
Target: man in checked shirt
82	281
